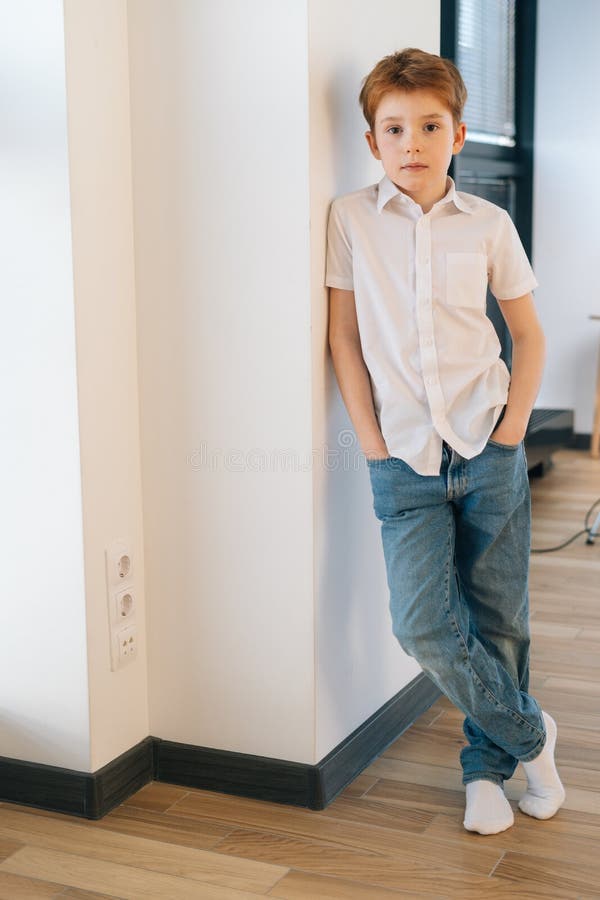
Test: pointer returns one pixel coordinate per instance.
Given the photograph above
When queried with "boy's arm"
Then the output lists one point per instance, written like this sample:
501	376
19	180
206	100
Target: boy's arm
352	373
528	359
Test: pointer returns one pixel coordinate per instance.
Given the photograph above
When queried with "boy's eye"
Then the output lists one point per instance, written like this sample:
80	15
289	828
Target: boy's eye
430	127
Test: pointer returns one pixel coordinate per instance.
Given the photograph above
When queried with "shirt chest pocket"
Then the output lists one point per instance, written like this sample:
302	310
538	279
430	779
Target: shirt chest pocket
466	279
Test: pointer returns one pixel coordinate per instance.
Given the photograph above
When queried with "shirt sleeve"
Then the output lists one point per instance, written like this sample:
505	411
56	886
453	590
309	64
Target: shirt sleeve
339	252
511	274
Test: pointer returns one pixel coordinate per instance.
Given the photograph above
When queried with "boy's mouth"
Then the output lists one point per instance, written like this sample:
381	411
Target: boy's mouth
414	166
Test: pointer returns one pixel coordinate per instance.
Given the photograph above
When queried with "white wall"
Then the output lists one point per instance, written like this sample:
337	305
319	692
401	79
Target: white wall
105	315
566	233
43	672
359	663
220	159
70	458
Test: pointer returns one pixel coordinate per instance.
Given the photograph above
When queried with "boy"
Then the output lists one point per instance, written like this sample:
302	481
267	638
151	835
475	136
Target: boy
442	421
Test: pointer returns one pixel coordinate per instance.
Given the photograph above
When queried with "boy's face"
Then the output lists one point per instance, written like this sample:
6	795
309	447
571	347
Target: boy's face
415	139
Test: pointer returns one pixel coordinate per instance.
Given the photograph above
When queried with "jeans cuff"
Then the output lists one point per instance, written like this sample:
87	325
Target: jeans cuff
484	776
536	750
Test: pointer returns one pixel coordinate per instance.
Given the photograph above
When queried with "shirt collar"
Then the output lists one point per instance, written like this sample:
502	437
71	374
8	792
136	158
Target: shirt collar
387	189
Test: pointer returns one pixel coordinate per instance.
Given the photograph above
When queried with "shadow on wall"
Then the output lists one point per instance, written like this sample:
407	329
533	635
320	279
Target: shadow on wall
348	145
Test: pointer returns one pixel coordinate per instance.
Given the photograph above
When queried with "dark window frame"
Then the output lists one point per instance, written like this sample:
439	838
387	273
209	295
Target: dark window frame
490	160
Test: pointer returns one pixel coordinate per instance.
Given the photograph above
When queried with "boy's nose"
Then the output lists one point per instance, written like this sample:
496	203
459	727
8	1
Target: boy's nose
412	143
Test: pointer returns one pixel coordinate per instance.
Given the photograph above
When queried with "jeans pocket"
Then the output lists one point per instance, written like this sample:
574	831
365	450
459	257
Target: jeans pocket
379	461
504	446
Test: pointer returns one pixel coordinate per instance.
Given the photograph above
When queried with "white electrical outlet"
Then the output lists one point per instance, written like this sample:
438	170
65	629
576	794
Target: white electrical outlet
127	643
119	564
121	603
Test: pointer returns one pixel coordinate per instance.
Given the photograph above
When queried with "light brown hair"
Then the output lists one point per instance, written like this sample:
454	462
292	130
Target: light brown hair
409	70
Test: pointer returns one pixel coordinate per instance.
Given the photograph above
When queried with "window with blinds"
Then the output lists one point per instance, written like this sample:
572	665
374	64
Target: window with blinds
486	60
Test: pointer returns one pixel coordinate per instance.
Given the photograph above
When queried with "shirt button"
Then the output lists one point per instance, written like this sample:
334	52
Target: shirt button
428	341
431	380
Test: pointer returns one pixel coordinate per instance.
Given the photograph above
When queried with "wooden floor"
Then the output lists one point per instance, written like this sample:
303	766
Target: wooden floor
397	830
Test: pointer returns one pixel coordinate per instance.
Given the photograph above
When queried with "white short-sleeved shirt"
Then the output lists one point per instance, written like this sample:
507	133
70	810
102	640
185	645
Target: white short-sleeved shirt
420	283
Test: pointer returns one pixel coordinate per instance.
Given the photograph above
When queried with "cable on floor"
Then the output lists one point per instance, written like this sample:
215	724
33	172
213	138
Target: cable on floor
591	532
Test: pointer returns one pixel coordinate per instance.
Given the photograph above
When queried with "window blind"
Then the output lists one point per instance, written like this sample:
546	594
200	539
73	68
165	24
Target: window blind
486	59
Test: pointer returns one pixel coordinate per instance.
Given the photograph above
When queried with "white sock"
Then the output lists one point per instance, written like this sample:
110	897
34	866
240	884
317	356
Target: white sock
545	793
488	811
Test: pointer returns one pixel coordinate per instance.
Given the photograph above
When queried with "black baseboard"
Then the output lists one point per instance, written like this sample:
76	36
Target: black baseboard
341	766
296	783
77	793
581	441
92	795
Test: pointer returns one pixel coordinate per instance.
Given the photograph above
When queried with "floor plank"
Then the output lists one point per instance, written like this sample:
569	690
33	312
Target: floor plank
124	881
98	845
17	887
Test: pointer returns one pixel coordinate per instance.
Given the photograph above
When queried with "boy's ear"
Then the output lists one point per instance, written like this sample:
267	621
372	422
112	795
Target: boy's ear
460	135
372	144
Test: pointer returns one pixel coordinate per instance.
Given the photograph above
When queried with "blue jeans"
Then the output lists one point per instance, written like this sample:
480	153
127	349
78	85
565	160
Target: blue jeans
456	548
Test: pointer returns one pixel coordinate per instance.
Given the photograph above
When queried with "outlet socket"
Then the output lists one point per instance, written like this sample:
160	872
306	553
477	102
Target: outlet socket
127	640
119	564
123	605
